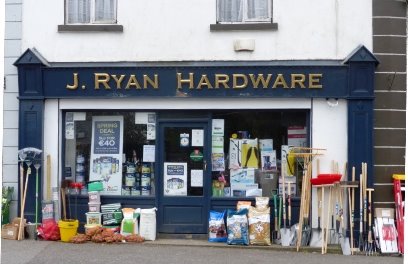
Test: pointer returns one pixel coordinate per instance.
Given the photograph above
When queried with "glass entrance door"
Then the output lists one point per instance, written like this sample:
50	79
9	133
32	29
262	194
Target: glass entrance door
184	184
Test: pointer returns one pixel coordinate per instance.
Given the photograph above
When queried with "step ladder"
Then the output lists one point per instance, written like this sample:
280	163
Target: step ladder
399	193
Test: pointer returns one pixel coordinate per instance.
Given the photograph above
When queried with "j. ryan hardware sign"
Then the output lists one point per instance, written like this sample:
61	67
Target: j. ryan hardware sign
202	81
196	81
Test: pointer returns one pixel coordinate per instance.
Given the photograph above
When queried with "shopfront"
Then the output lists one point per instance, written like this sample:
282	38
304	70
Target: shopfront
189	137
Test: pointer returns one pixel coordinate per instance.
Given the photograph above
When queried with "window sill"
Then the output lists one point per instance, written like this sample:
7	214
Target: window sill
90	28
247	26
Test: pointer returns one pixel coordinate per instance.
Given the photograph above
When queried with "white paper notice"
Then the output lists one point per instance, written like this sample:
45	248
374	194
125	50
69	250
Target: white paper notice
144	118
197	137
79	116
196	178
149	153
151	132
218	127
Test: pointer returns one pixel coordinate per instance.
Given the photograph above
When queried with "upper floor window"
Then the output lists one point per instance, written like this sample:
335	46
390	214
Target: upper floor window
242	11
90	11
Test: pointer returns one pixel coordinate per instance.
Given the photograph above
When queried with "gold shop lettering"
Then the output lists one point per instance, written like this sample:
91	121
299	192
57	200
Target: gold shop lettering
192	81
242	81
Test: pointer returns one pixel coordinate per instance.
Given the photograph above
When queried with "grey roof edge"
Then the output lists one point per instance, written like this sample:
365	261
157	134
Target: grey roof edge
361	54
229	63
30	57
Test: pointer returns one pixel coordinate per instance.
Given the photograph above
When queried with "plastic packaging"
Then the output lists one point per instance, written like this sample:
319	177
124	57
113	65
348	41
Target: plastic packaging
216	227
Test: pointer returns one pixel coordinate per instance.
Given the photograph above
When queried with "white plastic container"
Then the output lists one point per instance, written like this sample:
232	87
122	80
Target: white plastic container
94	197
93	218
94	207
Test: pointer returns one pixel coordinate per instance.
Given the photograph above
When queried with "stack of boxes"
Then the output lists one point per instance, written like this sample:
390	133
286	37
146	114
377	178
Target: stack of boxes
112	216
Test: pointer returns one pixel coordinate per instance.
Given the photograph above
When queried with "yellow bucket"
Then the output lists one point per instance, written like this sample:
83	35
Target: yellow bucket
68	228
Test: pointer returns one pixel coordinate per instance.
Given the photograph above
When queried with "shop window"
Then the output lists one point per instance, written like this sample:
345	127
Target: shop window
250	148
244	15
116	148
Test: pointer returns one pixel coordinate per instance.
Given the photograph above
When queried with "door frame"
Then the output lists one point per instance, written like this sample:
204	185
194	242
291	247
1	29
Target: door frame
183	122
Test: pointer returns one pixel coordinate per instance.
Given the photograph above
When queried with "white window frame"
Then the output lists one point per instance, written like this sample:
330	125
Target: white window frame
245	18
92	14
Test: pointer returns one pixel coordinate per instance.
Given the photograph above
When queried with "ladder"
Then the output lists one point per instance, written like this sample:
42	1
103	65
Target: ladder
399	189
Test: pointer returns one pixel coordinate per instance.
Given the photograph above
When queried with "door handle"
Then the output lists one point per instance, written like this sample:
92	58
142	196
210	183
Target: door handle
205	165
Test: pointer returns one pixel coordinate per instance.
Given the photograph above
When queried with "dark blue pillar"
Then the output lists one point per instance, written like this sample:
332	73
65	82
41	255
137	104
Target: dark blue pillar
31	116
361	70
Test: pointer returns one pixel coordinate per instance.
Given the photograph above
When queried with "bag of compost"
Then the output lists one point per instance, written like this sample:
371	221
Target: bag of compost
259	226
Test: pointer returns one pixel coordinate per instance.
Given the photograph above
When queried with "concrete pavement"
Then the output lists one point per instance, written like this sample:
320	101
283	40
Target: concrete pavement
169	251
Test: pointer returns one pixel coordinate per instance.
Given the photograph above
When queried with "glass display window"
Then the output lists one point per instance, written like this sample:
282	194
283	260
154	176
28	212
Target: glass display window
116	148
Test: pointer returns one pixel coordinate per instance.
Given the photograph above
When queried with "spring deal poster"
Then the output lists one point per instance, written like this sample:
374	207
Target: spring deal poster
106	153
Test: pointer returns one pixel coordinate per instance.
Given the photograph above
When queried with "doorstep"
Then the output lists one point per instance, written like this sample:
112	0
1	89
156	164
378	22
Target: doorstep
189	240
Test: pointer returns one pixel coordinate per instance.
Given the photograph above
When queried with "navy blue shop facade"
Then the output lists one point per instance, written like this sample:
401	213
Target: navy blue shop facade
186	211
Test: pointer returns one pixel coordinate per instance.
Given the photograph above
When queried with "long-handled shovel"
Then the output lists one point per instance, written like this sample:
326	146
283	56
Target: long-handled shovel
21	226
316	240
37	165
370	243
344	241
276	229
285	232
361	240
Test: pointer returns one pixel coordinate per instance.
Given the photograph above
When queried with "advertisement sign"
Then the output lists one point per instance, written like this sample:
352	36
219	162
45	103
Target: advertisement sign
106	153
175	178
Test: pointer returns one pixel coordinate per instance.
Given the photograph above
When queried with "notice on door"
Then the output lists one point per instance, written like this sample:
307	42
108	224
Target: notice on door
197	138
175	179
196	178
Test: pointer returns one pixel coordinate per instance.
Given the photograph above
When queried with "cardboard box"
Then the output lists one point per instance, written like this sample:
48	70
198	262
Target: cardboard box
9	231
266	145
384	213
268	160
243	176
240	189
235	153
250	153
292	181
297	136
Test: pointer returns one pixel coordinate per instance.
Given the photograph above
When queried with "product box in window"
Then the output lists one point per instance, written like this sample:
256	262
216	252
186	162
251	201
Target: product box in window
268	160
235	153
240	189
250	153
266	145
245	176
297	136
292	180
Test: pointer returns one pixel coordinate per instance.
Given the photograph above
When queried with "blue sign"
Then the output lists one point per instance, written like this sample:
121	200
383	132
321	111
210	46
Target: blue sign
175	169
107	137
290	81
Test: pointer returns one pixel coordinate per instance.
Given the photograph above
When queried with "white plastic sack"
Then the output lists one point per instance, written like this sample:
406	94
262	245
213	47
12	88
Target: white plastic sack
148	223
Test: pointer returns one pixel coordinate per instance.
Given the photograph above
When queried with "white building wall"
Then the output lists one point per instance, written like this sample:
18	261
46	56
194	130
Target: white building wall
162	30
12	50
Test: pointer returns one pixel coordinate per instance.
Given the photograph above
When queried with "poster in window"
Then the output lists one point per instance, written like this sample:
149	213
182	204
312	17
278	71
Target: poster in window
69	125
217	127
197	137
175	179
106	153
